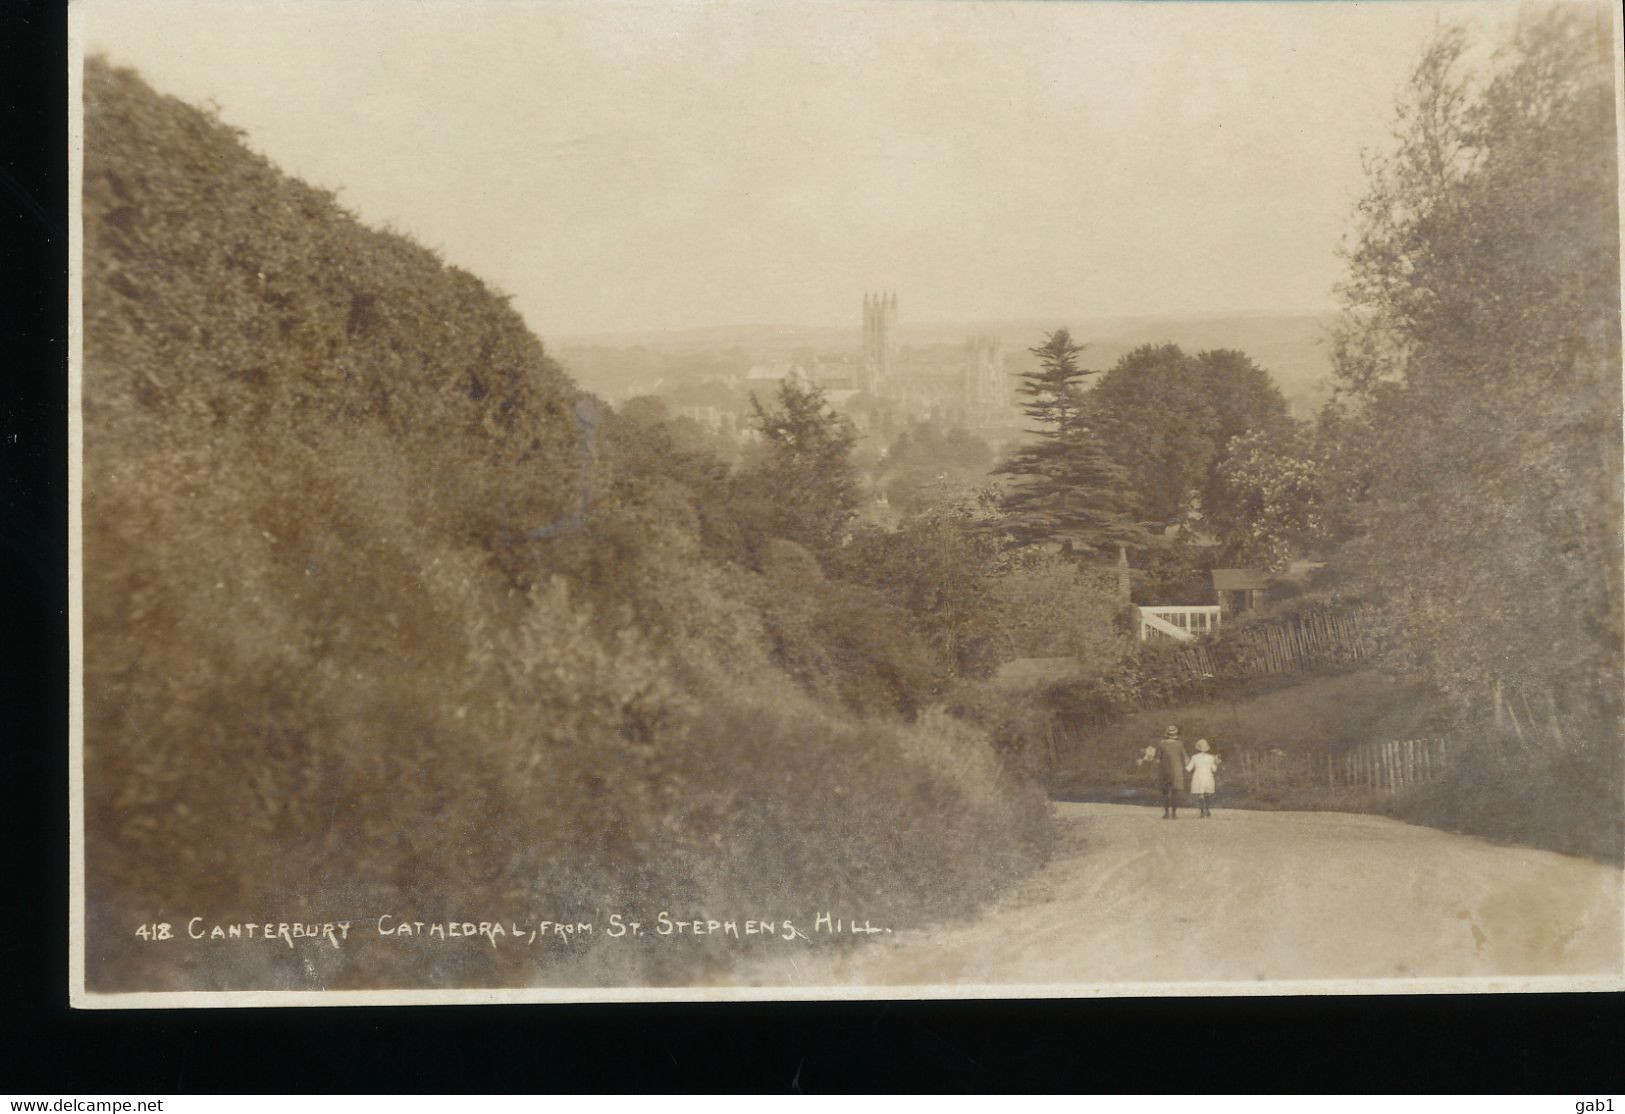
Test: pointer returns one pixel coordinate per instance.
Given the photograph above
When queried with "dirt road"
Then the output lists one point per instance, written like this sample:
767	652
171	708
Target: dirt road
1260	895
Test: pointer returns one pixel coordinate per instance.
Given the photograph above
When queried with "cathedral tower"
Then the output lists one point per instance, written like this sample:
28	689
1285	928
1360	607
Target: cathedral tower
983	382
879	340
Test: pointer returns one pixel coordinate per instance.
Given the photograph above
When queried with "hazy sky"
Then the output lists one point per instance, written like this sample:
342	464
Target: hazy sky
620	166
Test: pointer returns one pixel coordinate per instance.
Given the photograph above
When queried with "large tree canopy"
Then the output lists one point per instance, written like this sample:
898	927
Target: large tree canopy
1169	417
1478	433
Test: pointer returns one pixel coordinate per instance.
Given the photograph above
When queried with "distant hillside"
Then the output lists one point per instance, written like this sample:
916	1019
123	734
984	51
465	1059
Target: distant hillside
1291	346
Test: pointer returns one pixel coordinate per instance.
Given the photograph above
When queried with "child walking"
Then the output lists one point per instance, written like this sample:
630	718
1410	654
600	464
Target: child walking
1201	767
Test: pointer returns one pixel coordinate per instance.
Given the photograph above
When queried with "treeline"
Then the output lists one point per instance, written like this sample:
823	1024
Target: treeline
1465	480
1473	464
382	612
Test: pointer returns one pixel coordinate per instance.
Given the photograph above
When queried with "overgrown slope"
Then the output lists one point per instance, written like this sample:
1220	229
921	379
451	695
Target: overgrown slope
382	615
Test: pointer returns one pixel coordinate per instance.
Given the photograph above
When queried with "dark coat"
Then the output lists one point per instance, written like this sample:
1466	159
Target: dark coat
1173	761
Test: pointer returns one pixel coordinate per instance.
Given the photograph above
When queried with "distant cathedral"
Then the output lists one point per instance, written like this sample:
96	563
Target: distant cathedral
963	384
879	341
985	383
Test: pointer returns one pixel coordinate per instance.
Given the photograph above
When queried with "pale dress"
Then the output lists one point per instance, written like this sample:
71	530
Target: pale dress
1201	767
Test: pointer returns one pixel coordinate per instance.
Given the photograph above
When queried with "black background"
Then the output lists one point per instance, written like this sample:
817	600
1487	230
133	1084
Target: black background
1567	1044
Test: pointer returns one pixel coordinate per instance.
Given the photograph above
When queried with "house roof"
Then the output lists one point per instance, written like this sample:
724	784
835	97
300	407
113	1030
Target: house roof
1239	580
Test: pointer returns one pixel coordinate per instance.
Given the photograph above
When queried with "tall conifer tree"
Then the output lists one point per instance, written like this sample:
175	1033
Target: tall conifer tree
1065	488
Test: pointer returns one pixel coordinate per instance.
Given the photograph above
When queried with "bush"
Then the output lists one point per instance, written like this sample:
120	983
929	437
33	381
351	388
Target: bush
1570	800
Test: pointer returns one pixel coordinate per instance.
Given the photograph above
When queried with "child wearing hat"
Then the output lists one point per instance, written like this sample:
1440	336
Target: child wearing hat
1171	751
1201	766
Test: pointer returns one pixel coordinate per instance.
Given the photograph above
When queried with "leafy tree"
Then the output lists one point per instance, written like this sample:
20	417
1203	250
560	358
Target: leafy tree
940	566
1169	418
646	410
930	464
1049	607
1479	368
1065	488
1268	497
801	484
1154	423
932	444
1243	399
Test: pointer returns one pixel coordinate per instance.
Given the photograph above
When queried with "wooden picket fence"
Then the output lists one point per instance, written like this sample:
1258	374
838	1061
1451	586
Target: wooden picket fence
1386	767
1391	766
1291	644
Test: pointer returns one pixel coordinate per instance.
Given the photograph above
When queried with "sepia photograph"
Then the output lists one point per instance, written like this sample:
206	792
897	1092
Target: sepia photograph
689	500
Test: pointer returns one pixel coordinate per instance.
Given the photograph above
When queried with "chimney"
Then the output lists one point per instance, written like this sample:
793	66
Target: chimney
1124	588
